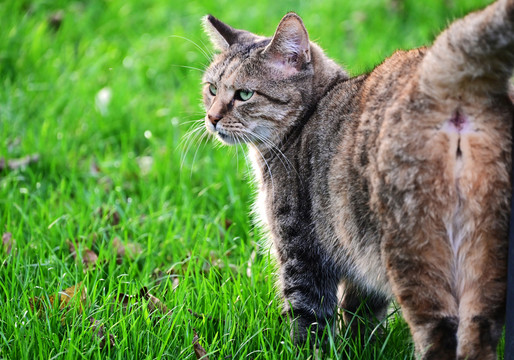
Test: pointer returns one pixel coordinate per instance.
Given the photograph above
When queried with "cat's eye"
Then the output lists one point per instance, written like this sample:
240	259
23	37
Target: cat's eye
244	94
213	89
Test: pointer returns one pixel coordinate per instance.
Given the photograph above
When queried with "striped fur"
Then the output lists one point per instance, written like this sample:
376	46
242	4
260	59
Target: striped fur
389	185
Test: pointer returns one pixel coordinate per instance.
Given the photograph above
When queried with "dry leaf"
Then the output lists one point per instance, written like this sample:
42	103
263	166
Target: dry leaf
153	302
203	316
115	218
125	300
7	242
55	20
94	169
228	223
199	350
14	164
73	293
89	257
120	250
99	332
72	296
112	215
130	249
160	276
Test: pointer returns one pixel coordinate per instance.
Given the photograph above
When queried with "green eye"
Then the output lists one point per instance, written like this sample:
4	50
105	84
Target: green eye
213	89
244	94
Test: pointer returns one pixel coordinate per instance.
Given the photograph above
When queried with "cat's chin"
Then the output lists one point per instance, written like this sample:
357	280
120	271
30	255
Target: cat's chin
229	139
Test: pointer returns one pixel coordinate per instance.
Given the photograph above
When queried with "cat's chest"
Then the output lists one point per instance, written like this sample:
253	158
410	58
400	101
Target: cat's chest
281	195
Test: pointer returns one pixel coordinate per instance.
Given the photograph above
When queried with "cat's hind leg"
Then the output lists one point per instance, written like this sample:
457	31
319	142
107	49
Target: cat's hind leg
419	267
469	66
481	287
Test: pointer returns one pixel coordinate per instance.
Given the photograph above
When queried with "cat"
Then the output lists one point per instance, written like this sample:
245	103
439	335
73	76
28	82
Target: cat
389	185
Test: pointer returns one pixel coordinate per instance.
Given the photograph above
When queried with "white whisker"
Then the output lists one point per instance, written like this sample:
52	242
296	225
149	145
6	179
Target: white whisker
204	52
274	148
188	67
201	142
192	121
266	164
192	136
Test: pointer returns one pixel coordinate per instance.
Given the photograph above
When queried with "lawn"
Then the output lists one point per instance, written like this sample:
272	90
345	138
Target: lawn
97	99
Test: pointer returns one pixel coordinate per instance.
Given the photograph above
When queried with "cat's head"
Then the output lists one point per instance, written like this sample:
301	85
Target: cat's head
257	87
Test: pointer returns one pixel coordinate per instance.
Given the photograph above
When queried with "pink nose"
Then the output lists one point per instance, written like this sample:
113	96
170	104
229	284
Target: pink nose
214	118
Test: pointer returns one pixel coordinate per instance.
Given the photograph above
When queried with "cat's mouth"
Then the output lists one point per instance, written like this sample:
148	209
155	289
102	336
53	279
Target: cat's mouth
230	139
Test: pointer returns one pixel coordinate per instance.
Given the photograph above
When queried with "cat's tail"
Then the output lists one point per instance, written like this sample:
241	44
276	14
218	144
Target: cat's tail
475	54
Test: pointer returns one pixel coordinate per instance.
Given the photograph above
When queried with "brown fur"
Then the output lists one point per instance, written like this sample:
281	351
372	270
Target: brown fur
389	185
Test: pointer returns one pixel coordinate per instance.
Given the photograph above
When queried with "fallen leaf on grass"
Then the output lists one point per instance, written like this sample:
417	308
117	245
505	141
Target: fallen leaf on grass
73	296
153	302
112	216
129	249
228	223
7	242
55	20
199	350
161	276
104	181
203	316
89	257
94	169
14	164
99	332
125	300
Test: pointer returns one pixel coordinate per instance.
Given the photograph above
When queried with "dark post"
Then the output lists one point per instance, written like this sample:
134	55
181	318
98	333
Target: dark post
509	318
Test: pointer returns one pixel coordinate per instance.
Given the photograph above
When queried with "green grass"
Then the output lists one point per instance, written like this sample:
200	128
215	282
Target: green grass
188	207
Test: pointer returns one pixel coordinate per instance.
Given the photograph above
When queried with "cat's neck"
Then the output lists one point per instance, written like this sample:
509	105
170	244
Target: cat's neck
327	74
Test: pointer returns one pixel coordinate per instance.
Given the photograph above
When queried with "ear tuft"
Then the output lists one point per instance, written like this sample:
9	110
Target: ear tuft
290	48
221	35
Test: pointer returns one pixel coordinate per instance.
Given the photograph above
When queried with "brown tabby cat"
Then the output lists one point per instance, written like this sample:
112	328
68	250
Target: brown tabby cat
393	184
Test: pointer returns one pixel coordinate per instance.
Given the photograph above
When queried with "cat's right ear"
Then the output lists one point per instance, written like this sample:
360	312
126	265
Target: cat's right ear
223	35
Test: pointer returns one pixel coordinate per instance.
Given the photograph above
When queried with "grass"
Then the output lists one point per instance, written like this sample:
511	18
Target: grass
104	93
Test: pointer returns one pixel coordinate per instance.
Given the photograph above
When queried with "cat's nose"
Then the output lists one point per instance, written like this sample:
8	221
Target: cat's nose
214	118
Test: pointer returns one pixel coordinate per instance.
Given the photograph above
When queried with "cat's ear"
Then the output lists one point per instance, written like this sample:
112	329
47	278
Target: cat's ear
223	35
289	49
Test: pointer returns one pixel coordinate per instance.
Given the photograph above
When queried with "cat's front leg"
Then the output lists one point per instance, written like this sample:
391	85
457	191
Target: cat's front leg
309	280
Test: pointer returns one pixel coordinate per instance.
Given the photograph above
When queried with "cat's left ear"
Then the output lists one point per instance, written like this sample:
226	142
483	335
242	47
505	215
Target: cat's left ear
289	49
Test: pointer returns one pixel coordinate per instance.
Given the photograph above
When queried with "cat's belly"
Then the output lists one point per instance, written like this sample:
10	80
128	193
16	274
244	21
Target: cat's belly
356	243
362	259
